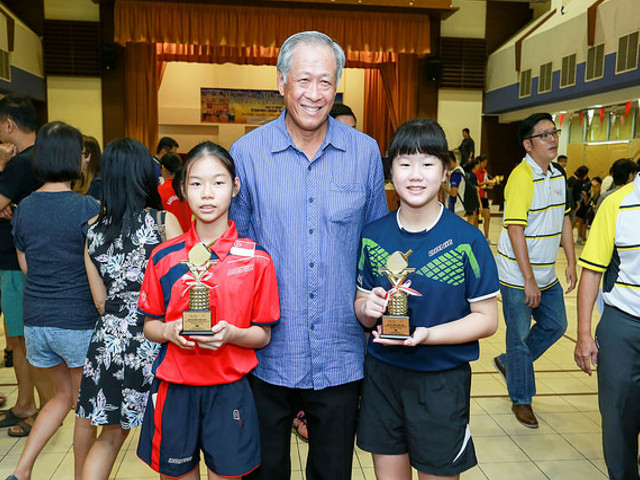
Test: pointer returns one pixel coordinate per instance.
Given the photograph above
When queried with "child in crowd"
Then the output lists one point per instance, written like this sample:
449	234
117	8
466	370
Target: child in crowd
117	371
50	227
416	392
201	398
169	190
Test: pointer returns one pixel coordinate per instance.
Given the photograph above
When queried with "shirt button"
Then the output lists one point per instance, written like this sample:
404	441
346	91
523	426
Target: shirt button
311	295
312	327
311	200
311	264
311	231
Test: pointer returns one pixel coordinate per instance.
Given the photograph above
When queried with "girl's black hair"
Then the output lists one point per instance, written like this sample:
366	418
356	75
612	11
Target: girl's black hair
129	184
58	153
420	135
203	149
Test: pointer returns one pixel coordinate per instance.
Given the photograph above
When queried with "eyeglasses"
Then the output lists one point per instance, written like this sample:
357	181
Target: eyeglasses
86	154
546	136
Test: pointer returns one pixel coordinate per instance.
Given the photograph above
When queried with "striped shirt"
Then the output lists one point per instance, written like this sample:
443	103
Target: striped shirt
538	202
309	216
613	247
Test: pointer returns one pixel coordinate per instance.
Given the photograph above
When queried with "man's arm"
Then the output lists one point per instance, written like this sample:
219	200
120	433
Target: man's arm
7	152
519	244
566	241
586	351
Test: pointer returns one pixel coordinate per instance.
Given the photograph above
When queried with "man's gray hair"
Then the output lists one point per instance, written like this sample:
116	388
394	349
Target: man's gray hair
310	38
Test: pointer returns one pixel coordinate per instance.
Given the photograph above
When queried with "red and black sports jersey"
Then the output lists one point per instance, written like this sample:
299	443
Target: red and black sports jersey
243	291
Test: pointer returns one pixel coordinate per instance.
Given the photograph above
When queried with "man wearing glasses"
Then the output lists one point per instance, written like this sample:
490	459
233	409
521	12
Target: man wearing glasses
536	221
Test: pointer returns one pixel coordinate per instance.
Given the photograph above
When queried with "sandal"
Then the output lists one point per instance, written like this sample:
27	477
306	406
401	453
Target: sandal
26	425
8	358
299	426
10	419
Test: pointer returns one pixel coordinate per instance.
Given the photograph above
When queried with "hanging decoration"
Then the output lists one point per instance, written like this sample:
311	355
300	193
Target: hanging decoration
581	114
601	114
590	113
561	119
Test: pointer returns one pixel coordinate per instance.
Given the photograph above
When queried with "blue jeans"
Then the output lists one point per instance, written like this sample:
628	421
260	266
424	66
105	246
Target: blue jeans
526	343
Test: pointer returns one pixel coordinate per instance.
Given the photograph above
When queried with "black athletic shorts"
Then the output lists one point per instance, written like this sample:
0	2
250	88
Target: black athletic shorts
424	414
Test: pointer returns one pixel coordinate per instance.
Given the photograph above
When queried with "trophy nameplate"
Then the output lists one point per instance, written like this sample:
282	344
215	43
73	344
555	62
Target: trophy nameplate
396	324
200	317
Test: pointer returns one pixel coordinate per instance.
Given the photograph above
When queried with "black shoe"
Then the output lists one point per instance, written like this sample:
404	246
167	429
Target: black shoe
501	370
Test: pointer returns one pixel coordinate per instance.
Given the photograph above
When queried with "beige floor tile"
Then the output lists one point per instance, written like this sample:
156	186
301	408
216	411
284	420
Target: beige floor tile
552	404
473	474
571	470
498	449
588	444
484	426
495	405
487	385
133	467
46	465
570	422
511	471
547	447
65	469
599	463
583	403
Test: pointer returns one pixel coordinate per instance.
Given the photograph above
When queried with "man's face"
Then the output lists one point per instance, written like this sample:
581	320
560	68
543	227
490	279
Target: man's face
348	120
539	149
465	134
310	88
562	162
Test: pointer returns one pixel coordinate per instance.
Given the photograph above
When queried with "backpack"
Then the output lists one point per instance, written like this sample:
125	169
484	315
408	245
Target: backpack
470	195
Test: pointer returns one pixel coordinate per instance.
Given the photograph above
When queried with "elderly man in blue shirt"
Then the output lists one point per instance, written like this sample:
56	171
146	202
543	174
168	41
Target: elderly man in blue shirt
309	185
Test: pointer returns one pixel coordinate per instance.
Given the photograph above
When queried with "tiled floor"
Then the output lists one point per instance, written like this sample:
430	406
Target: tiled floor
566	446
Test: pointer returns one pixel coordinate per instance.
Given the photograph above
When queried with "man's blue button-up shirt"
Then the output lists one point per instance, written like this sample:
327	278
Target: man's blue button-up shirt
309	216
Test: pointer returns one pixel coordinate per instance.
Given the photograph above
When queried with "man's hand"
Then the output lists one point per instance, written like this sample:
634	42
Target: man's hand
7	152
586	353
7	212
531	294
571	276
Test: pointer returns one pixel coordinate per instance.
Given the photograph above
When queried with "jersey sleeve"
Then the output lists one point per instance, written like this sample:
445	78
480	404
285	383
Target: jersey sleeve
266	304
598	250
455	179
518	195
152	301
365	280
481	273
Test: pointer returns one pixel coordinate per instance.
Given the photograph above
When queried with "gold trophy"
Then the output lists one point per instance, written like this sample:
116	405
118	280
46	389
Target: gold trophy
198	320
395	325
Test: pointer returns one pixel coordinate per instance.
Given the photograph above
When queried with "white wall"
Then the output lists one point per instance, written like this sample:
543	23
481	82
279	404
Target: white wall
458	109
75	100
179	98
468	22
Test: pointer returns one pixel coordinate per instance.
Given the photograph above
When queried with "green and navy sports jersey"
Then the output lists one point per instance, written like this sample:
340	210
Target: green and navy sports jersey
454	267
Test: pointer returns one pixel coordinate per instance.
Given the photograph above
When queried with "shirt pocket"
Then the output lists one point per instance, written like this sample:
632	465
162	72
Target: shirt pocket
346	202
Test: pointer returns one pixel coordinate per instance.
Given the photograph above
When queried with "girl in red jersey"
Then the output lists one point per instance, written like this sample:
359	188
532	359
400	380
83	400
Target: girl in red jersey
201	399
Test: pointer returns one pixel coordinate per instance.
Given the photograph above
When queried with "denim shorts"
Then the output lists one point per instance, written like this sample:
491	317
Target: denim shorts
51	346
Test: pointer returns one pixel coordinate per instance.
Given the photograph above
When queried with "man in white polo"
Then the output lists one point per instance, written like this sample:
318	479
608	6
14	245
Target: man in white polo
536	222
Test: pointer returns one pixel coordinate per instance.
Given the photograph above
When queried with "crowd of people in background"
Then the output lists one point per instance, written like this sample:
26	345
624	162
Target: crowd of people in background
104	257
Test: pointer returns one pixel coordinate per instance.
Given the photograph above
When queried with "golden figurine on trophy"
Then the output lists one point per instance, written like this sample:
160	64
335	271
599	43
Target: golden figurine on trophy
198	320
396	324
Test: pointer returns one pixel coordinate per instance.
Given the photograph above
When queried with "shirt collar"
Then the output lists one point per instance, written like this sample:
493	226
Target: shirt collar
282	140
401	227
222	245
537	168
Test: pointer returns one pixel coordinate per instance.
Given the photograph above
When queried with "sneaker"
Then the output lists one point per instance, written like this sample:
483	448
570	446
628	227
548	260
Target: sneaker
500	368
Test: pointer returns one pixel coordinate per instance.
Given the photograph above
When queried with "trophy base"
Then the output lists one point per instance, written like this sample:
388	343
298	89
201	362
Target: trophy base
197	322
395	327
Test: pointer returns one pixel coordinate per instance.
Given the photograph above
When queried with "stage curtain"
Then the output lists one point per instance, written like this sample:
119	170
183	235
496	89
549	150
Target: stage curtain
141	94
376	122
243	26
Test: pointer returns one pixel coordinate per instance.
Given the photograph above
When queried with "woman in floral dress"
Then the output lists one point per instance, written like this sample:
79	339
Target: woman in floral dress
117	372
